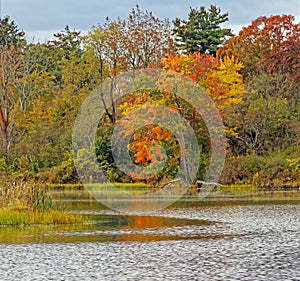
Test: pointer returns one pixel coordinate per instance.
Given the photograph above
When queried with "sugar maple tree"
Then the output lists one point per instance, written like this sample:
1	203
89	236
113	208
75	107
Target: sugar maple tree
196	66
224	83
147	139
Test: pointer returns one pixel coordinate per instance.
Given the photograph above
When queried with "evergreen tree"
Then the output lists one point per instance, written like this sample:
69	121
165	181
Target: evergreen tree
10	34
201	32
69	41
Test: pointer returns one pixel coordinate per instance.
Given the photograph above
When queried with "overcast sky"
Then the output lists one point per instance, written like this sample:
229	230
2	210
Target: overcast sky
41	18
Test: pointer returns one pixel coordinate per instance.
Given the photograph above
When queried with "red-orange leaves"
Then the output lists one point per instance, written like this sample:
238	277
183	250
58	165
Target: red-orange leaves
267	44
195	66
146	141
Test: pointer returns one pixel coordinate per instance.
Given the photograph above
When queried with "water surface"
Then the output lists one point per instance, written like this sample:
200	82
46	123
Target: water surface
225	237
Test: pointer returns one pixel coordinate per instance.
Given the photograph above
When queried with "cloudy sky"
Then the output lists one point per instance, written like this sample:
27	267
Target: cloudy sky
41	18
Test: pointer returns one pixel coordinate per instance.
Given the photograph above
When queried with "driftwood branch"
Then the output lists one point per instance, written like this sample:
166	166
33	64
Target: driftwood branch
170	182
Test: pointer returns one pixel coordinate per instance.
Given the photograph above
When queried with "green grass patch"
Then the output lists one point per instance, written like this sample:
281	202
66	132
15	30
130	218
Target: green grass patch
97	185
66	186
131	188
25	218
240	188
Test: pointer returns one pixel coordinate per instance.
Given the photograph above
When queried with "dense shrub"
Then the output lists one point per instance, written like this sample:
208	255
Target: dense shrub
276	169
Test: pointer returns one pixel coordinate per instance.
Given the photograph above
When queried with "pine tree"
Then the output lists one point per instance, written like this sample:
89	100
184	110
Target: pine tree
201	32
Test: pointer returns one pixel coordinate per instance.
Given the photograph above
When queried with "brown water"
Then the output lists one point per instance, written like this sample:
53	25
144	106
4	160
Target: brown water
225	237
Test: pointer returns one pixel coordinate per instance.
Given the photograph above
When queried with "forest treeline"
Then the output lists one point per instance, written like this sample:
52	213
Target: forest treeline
253	78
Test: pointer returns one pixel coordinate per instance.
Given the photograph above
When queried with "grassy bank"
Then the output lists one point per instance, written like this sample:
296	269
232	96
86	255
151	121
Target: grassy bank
239	187
123	186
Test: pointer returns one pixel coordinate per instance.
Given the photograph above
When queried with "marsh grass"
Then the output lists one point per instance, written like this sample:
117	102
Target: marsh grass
23	203
23	218
21	195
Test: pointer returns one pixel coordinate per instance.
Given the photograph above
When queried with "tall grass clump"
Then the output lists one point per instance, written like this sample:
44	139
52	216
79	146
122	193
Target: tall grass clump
21	195
23	203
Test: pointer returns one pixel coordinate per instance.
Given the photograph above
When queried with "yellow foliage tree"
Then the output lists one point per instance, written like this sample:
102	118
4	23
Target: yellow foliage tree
225	83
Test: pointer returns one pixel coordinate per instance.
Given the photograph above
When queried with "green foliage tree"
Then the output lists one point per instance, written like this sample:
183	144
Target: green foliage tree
202	31
267	113
49	58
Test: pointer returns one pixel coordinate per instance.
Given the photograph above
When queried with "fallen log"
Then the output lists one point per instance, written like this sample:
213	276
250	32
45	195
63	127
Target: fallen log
203	184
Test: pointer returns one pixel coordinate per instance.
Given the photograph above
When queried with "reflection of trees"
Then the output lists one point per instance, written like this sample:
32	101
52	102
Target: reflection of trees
142	223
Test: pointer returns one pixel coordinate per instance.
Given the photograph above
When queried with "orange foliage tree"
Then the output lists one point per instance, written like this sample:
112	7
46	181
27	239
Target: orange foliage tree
147	139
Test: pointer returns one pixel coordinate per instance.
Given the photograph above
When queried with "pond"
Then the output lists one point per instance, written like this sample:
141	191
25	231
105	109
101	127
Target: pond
253	236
